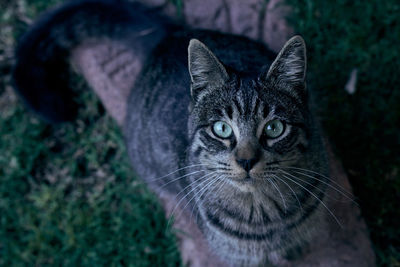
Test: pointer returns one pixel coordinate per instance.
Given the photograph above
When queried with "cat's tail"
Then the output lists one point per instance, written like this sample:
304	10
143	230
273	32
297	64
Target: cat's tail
107	41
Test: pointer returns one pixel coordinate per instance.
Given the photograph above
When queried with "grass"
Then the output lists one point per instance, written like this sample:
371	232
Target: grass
68	196
67	193
364	127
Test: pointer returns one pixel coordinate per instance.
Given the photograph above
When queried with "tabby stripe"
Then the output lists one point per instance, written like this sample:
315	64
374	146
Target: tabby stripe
229	112
198	151
294	101
247	98
308	211
256	106
266	110
209	141
238	107
231	214
282	146
215	221
218	112
264	215
246	236
198	128
288	213
279	208
251	214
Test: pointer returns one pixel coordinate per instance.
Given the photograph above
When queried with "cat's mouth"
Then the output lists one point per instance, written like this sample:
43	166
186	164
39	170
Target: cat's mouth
247	179
249	182
246	183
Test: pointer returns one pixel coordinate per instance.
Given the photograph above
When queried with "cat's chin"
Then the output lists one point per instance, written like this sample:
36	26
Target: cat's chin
246	184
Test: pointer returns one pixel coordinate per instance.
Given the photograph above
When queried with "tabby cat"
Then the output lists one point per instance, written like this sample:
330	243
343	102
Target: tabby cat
223	123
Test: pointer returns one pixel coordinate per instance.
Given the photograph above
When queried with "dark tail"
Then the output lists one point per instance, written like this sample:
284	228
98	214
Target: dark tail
42	57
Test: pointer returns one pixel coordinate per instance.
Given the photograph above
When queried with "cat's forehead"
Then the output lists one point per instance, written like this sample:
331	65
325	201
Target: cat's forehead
246	101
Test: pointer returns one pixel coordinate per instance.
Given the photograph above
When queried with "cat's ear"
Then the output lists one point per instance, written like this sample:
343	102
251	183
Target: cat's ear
288	71
206	71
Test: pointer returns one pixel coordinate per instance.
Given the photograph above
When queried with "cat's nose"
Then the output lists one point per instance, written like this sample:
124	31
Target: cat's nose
247	164
247	155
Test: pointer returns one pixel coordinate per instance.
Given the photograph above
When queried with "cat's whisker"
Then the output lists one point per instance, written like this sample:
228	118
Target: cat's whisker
206	179
347	195
177	170
218	187
290	188
210	181
206	176
218	179
286	175
180	177
220	168
320	190
317	188
203	190
334	187
319	174
280	193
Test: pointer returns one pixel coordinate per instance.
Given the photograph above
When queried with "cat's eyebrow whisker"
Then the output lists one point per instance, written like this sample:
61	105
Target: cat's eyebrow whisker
319	174
280	193
180	169
346	194
294	193
311	193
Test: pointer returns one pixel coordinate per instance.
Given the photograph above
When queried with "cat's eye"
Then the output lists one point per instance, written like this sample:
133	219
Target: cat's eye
222	129
274	128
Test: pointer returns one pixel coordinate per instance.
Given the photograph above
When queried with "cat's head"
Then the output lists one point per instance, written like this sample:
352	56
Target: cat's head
243	128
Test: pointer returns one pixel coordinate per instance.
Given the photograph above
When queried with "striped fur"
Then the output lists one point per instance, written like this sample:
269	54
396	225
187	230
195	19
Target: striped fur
268	208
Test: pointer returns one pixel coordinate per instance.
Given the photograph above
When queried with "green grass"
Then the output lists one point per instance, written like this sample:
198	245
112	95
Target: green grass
68	195
364	127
